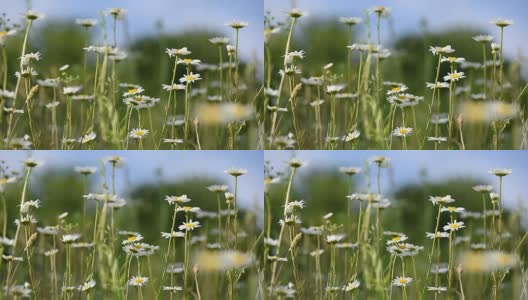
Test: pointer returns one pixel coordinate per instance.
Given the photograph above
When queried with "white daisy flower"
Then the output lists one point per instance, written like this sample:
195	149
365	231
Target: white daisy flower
138	281
138	133
402	281
454	226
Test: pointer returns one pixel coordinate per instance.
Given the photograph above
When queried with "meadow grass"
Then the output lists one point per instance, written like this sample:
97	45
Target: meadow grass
315	251
90	104
361	101
99	252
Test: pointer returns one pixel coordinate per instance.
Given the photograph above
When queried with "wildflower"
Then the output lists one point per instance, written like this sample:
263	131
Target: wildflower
217	188
276	258
173	141
397	89
70	238
334	238
12	110
87	138
173	234
87	23
188	209
71	90
175	52
133	91
334	89
190	78
220	41
229	196
85	170
138	133
380	10
48	230
51	252
501	22
316	81
138	281
86	286
172	289
317	253
174	87
452	209
441	50
500	172
351	286
402	131
235	172
494	196
397	239
237	24
291	56
290	220
189	61
296	163
26	206
290	70
483	38
33	15
27	58
117	13
133	238
454	226
351	136
436	289
441	200
11	258
190	225
52	104
350	20
437	235
453	59
293	205
437	139
402	281
271	242
350	170
296	13
437	85
312	230
455	76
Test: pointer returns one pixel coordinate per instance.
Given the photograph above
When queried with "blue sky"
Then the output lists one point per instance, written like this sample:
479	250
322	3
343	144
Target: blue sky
406	166
142	165
176	16
406	15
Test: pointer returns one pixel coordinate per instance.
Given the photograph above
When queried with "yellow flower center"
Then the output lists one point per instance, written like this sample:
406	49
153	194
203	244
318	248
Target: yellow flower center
396	89
403	131
132	91
403	280
396	239
138	280
454	76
